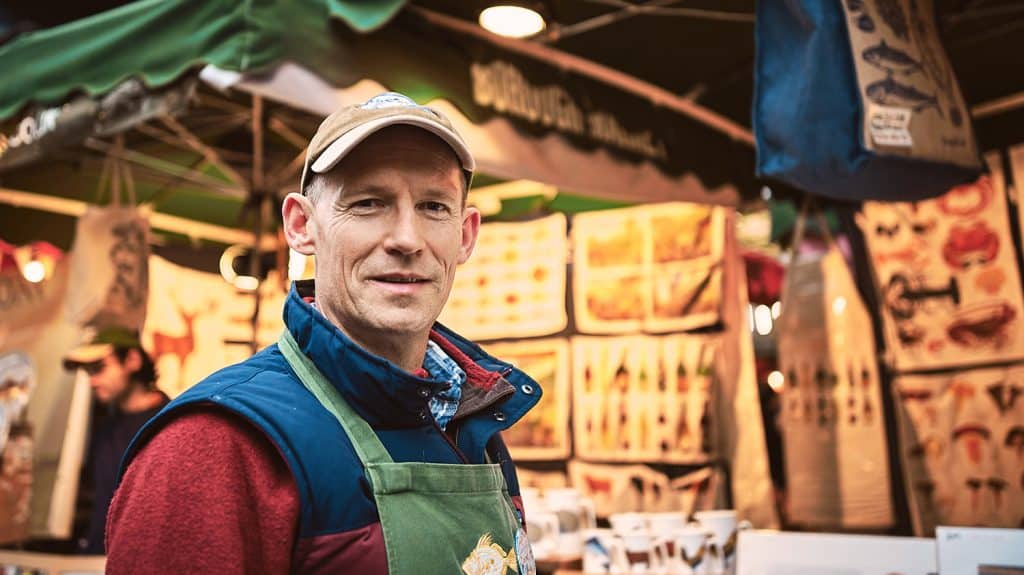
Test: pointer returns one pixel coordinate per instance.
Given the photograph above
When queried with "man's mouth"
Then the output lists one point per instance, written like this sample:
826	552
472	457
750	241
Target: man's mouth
400	279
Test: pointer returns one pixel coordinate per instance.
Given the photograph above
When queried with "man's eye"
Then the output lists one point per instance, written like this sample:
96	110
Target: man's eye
435	207
366	203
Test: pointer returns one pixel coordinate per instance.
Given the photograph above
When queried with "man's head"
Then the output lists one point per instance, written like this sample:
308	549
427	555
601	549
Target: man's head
115	363
385	217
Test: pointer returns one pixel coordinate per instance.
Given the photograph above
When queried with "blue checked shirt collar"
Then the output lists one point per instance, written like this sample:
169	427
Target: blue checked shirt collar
443	405
436	362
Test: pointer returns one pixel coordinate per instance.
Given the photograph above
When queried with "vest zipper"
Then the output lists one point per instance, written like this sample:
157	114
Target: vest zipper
447	438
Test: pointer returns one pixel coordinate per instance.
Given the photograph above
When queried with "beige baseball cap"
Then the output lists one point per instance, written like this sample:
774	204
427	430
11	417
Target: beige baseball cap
345	129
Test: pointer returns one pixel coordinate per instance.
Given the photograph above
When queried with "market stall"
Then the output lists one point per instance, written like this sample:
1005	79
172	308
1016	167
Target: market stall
209	129
622	289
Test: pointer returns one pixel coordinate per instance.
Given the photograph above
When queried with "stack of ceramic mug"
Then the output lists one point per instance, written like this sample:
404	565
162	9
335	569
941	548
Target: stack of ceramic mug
556	522
663	544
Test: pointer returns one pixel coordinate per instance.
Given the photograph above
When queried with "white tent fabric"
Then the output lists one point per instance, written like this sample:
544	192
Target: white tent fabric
500	150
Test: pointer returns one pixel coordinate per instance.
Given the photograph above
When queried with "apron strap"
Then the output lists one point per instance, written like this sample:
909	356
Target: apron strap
366	443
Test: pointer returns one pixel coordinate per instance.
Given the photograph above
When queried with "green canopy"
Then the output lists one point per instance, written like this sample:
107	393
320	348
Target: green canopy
158	40
70	90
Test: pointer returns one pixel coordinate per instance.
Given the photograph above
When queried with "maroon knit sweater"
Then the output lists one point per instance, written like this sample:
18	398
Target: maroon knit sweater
240	519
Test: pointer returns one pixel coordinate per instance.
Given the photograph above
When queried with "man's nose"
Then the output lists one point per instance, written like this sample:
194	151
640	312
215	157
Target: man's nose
405	235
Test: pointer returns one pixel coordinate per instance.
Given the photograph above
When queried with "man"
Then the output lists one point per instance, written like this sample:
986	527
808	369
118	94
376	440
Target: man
344	447
123	381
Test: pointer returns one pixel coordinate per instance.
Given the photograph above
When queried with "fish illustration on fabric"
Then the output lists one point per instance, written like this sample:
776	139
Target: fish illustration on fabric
488	558
866	23
889	92
889	59
930	49
891	12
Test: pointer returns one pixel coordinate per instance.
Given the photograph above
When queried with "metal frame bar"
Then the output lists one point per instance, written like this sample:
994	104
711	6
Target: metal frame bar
165	167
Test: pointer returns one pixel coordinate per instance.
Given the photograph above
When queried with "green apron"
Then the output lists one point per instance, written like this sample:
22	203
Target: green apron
437	518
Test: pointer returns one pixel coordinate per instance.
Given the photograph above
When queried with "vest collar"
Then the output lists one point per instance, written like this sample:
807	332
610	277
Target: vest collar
380	391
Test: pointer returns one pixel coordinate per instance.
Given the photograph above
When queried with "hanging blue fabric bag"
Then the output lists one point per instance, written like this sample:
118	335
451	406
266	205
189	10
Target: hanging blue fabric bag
856	100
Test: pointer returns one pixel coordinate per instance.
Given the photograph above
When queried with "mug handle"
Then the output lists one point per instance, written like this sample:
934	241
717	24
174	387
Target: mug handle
589	512
730	545
659	557
549	526
617	553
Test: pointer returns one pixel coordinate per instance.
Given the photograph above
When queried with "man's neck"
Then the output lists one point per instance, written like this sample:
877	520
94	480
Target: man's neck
404	350
140	399
407	354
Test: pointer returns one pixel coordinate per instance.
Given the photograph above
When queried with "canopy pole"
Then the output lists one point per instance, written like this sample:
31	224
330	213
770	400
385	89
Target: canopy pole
257	193
157	220
657	95
998	106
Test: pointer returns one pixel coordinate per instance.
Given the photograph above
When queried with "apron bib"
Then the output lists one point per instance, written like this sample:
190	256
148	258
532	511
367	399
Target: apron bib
437	518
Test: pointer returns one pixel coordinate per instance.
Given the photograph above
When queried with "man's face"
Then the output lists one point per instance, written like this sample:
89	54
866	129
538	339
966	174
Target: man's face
108	378
388	233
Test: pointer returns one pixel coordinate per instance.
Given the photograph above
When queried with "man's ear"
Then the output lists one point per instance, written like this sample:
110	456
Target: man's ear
299	225
132	360
470	230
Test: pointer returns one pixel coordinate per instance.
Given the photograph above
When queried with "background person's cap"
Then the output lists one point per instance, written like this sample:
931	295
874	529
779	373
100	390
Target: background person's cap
343	130
100	344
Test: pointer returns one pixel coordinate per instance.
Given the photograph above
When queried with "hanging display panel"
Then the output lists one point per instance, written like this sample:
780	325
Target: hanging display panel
1017	166
629	488
650	268
947	278
643	398
962	447
198	323
543	433
837	472
514	283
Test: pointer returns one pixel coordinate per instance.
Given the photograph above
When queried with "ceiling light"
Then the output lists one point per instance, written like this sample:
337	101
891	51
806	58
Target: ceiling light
511	21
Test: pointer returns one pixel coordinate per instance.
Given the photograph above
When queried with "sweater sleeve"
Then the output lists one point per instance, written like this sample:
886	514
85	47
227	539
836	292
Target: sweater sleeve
209	493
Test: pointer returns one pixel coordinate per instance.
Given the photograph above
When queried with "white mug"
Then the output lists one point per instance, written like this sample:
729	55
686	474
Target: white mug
686	550
628	523
601	547
640	553
665	523
723	526
542	530
575	513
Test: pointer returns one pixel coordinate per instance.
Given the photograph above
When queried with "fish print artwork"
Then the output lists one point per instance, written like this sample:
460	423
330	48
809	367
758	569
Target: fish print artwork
890	60
891	12
889	92
488	558
866	23
931	50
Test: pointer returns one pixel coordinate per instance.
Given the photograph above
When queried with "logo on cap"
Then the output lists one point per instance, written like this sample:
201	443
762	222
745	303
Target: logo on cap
389	100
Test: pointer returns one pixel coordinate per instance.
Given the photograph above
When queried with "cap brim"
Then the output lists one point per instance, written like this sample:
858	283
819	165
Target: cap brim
341	146
89	353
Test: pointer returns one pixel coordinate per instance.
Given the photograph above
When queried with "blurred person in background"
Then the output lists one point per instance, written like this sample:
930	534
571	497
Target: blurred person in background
122	377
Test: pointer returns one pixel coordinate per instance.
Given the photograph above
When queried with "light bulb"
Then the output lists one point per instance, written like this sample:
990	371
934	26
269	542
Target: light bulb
511	21
34	271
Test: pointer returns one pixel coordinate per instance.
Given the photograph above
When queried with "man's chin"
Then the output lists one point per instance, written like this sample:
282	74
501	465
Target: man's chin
405	323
